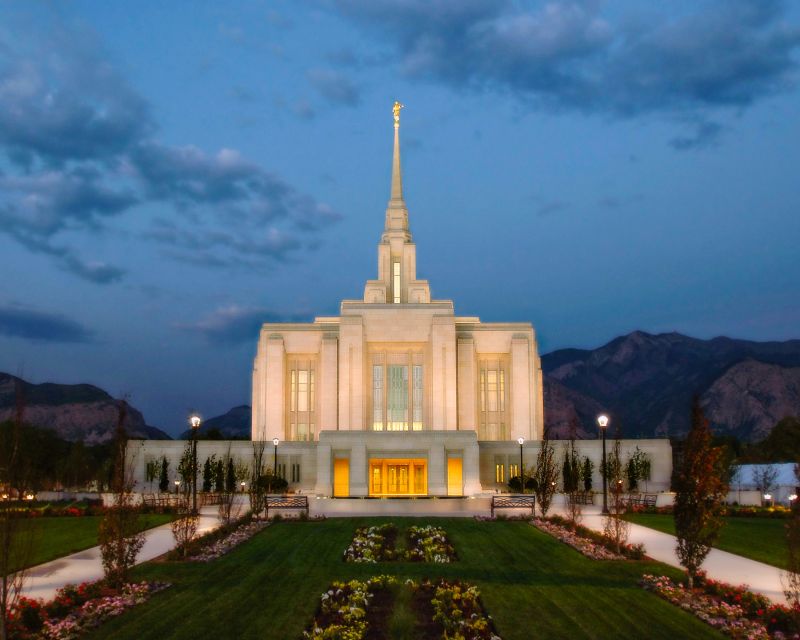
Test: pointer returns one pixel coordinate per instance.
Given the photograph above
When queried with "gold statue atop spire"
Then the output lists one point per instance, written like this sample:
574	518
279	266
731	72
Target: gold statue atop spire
396	110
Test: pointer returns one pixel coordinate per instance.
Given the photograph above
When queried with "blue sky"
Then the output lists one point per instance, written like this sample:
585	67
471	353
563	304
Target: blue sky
173	176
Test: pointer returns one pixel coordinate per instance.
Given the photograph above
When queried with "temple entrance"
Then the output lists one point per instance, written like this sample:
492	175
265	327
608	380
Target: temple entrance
398	477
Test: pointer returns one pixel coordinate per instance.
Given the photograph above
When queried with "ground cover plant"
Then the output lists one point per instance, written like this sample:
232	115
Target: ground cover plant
531	584
758	538
589	542
429	543
372	544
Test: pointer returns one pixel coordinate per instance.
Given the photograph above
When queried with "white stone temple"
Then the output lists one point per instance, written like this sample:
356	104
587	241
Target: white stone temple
398	395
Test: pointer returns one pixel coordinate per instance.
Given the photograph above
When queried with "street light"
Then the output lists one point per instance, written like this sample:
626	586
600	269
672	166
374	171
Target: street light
177	484
275	442
194	422
521	441
602	421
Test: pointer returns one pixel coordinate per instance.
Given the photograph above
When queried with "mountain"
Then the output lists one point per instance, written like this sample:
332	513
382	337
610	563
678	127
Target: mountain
645	382
232	425
74	411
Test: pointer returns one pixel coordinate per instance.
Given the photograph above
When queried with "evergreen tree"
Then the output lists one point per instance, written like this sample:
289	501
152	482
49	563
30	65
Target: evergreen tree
219	476
700	488
230	477
207	473
546	475
163	480
586	473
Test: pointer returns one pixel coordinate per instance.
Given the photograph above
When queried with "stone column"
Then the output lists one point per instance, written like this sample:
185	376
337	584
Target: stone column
437	470
275	375
521	387
466	383
328	385
324	486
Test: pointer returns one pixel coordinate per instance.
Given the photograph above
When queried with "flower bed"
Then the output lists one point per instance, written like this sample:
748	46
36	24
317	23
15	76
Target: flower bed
372	544
220	546
735	611
76	609
348	609
429	544
589	542
451	610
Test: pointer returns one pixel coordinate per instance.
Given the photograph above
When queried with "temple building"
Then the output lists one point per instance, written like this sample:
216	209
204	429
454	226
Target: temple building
397	389
398	395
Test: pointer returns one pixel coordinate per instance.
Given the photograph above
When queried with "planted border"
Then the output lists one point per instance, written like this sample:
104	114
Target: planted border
76	609
588	542
372	544
735	611
451	610
429	544
349	610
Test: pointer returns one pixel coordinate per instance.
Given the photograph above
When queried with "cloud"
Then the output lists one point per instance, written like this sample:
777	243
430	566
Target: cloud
38	326
235	324
568	55
549	208
705	135
334	86
83	153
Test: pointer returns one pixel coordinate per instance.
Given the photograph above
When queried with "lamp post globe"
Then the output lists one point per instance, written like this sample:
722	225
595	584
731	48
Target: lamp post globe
521	441
194	423
602	422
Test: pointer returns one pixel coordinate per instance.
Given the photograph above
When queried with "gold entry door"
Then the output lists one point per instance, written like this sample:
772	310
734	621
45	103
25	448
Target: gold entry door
341	478
398	477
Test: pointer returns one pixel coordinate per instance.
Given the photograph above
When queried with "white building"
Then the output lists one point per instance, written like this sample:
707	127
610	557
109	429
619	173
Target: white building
398	395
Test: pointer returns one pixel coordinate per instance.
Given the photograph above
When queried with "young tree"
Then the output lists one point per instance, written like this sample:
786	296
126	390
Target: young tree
120	535
257	486
230	476
163	479
764	477
586	474
572	481
546	475
791	578
16	534
208	473
151	472
637	467
227	498
615	526
700	489
219	476
184	526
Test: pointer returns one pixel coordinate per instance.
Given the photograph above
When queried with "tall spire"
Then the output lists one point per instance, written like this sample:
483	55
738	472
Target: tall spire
396	212
397	173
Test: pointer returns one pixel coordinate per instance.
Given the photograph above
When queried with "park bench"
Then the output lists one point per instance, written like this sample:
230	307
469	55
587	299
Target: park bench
584	497
642	500
513	502
285	502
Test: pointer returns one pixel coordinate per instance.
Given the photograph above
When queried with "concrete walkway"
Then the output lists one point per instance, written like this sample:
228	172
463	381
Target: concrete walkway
720	565
43	580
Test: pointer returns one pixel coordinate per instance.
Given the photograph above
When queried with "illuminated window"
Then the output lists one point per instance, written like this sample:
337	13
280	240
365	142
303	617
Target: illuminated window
500	473
396	281
513	470
492	400
301	404
398	383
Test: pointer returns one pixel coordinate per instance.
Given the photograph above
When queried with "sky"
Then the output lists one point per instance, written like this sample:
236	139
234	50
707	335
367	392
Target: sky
175	174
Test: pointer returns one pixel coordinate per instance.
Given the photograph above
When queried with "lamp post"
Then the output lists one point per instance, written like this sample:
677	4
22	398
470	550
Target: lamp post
274	461
177	484
602	421
521	441
194	422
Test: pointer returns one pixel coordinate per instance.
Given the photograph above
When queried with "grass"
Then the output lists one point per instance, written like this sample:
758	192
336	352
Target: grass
762	539
59	536
532	586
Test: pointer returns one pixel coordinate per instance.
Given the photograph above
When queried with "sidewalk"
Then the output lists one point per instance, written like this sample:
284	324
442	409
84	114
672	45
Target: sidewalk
720	565
43	580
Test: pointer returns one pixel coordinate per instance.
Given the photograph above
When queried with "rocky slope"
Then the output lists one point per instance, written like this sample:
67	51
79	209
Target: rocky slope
233	424
74	411
645	382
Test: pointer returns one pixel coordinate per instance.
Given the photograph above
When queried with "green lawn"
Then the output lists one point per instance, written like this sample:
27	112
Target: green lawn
762	539
56	537
532	585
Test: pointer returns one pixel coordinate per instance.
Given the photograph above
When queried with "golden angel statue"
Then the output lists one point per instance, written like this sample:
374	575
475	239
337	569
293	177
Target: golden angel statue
396	110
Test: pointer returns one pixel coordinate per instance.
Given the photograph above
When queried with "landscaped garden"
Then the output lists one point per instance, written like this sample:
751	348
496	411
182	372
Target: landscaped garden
530	584
758	538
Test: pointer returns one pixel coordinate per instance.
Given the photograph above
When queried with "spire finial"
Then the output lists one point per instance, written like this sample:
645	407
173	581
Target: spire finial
396	110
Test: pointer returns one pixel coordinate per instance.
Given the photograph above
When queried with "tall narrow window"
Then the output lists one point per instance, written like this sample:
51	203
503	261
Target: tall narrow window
301	402
397	405
492	400
396	281
416	399
377	397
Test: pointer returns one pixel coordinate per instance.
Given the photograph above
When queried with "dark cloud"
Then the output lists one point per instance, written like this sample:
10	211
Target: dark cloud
334	86
38	326
82	151
568	55
236	325
705	135
549	208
